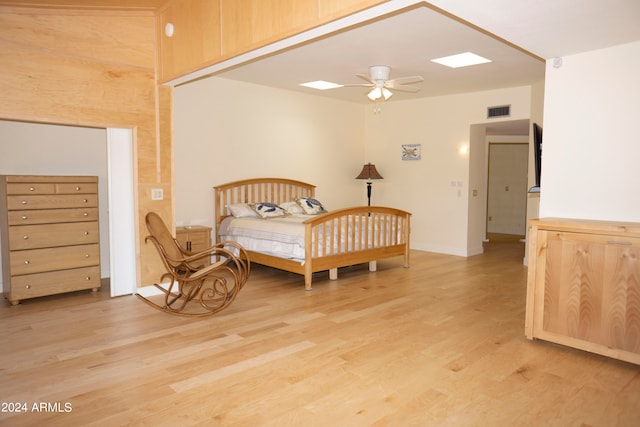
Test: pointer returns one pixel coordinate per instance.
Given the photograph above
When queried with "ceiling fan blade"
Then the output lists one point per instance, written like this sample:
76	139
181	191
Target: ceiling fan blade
359	85
405	88
403	81
367	78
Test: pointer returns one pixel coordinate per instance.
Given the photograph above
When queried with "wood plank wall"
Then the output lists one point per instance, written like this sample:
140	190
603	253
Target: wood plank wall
95	69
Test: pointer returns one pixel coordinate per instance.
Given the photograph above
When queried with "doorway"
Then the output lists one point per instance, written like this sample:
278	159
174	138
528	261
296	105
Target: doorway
79	150
507	190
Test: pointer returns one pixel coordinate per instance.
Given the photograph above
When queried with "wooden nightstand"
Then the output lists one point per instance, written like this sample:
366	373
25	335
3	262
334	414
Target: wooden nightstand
194	238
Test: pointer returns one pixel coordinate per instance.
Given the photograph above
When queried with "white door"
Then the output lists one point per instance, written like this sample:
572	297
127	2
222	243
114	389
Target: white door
507	188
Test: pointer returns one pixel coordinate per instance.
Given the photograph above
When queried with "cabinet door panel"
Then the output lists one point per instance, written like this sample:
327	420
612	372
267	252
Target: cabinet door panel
622	299
592	289
195	239
200	240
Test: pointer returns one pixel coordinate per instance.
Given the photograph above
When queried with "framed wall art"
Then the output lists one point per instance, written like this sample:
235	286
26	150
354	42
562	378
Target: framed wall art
411	151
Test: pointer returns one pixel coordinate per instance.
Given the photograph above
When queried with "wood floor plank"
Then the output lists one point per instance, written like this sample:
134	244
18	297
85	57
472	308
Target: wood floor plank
438	344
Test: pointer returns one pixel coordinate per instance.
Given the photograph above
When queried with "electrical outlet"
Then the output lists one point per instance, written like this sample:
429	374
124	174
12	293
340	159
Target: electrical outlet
157	194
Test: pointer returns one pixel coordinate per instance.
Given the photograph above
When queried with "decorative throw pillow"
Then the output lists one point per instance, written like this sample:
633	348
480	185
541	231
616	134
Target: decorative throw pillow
268	210
240	210
311	206
292	207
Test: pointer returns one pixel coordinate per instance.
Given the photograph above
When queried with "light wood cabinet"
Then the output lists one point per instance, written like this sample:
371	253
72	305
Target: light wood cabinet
50	236
194	238
583	287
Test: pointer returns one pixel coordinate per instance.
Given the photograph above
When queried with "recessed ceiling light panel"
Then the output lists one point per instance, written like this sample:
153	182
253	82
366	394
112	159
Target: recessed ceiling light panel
321	85
461	60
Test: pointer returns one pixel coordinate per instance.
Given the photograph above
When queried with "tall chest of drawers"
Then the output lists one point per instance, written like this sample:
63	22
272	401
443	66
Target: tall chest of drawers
50	236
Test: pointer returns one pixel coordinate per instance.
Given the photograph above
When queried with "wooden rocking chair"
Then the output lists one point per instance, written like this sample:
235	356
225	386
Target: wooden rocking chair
190	278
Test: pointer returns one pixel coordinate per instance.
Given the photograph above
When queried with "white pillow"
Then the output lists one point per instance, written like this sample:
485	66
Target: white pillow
240	210
292	207
311	206
268	210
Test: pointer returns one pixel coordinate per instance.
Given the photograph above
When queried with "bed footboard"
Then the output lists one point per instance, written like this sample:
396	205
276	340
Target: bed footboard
355	235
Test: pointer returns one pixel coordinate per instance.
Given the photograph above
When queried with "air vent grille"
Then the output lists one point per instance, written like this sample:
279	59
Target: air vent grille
499	111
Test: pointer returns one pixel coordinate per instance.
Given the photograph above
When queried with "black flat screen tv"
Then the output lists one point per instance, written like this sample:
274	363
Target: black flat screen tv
537	152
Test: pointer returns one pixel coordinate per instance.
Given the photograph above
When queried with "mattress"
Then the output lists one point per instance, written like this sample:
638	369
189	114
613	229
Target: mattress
282	237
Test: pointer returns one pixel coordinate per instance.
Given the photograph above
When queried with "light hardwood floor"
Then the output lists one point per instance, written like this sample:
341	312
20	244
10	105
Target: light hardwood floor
438	344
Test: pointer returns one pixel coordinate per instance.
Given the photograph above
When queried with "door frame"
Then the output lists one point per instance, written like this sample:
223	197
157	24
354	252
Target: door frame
488	191
122	208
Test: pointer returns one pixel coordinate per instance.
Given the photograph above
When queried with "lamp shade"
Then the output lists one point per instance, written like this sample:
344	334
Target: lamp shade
375	93
369	172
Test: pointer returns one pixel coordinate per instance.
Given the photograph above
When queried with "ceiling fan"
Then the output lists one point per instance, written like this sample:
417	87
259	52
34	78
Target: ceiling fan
381	86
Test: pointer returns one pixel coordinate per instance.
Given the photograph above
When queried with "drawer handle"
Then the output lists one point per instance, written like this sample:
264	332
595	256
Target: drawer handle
86	214
87	278
86	255
86	233
25	237
616	242
77	188
25	217
85	201
32	189
26	262
27	286
24	202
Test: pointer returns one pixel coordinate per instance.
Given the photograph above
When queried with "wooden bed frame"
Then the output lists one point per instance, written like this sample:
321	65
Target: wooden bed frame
391	240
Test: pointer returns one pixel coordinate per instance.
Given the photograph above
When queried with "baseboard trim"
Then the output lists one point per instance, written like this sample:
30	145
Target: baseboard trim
152	290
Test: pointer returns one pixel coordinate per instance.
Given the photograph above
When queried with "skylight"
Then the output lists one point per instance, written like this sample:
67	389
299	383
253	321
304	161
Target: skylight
461	60
321	85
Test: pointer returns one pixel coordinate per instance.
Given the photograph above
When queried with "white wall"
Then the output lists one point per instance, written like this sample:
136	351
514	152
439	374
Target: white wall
591	146
533	199
226	130
438	189
40	149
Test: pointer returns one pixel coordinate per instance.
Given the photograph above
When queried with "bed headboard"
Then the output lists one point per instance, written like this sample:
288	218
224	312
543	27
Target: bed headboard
256	190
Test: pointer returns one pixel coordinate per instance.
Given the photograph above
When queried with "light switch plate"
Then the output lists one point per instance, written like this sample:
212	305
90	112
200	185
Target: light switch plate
157	194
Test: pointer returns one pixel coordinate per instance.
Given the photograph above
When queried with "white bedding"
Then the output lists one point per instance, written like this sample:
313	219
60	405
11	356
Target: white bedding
284	236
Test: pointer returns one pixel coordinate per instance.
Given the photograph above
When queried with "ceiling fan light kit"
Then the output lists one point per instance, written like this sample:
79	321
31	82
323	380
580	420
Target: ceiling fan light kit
381	86
379	92
379	82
